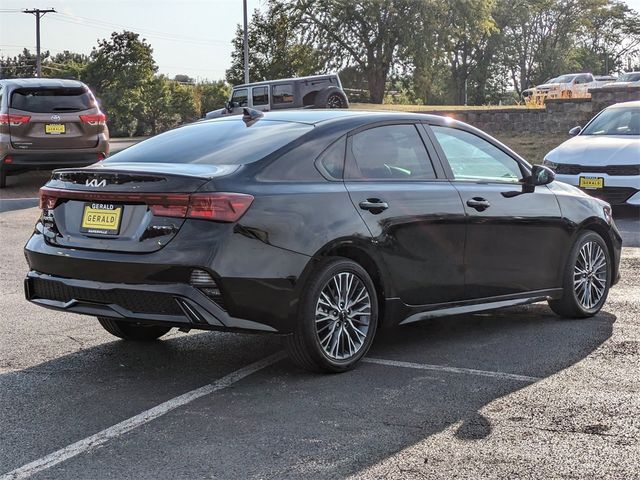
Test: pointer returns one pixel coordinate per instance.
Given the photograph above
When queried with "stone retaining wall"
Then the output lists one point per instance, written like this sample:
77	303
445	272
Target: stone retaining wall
557	116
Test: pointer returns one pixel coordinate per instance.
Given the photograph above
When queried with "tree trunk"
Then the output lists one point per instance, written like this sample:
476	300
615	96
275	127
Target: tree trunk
377	82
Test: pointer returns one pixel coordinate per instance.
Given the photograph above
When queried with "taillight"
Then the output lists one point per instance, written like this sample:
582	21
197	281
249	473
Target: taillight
94	119
47	200
13	120
222	207
219	207
101	156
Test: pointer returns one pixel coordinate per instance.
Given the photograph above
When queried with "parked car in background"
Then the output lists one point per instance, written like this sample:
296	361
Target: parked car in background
603	158
629	79
567	86
48	123
317	91
320	225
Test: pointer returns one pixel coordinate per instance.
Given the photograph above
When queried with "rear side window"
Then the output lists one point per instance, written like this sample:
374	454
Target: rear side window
331	161
46	100
260	96
390	152
282	93
218	142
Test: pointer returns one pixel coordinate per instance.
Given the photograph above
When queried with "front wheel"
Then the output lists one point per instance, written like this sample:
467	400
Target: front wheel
132	331
587	278
337	320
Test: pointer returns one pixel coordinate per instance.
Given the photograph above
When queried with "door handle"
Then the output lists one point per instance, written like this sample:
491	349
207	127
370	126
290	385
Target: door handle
478	203
374	205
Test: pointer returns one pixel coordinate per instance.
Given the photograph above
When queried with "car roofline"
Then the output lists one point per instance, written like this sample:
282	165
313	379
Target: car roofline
292	79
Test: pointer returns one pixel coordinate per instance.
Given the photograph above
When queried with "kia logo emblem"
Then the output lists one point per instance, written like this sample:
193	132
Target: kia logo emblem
55	118
95	183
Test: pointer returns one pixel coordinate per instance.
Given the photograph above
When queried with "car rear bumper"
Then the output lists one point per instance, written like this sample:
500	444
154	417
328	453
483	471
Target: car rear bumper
49	161
179	305
258	284
618	189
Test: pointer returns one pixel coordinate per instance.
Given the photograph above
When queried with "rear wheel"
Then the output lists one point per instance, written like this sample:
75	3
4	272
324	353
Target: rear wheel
587	278
3	177
132	331
337	320
331	97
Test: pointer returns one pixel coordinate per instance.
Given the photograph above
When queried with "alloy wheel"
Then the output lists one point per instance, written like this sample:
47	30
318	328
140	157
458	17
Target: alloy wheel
334	101
590	275
342	316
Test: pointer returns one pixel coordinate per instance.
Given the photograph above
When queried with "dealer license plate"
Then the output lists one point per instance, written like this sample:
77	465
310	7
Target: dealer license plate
101	218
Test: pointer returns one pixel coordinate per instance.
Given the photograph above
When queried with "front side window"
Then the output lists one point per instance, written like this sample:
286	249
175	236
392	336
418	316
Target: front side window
239	97
282	93
615	121
390	152
474	159
260	96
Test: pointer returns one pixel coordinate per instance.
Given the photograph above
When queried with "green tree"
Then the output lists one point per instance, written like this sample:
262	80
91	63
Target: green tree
22	65
368	34
211	96
119	69
66	64
276	49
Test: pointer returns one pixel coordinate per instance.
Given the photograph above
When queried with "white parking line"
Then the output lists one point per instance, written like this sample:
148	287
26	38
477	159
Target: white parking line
121	428
442	368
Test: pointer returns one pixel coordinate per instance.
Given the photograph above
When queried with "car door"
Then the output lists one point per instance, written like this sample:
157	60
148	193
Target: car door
239	99
260	98
414	214
516	237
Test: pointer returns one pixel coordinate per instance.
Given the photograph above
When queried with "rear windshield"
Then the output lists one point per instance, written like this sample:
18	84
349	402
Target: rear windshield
219	142
46	100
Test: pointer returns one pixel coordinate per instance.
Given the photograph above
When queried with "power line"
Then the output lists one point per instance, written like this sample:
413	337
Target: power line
99	24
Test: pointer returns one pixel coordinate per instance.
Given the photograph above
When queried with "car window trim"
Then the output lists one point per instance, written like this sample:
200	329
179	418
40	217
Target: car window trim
524	168
431	154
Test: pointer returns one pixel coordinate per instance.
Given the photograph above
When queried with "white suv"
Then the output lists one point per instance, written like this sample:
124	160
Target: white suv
603	158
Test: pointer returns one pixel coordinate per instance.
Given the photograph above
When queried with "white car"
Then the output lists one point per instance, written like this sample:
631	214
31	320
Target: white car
603	158
629	79
569	85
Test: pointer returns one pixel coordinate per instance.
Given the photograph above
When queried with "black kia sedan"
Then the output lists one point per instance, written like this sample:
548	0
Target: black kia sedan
322	226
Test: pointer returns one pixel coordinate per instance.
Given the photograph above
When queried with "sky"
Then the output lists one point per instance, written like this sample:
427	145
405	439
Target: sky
191	37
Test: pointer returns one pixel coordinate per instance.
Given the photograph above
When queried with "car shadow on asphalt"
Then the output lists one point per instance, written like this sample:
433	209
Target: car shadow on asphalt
283	422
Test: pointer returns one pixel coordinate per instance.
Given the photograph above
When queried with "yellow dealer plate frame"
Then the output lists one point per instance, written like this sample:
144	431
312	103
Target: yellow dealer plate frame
101	218
592	183
55	129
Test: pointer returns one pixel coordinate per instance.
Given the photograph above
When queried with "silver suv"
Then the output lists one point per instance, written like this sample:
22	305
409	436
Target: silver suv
47	123
317	91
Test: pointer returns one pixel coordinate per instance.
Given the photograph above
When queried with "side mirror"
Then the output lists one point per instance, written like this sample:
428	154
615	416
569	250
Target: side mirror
575	131
541	175
229	106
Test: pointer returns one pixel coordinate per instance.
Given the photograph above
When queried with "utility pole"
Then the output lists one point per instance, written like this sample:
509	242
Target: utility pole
246	44
38	14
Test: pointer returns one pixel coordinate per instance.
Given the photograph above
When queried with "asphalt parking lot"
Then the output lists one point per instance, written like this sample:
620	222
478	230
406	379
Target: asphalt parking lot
516	393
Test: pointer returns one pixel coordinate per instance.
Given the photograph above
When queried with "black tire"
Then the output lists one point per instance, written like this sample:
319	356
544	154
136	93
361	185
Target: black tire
3	178
304	345
331	97
132	331
570	305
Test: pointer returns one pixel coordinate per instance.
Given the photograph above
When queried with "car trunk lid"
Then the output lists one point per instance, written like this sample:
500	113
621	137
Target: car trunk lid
131	209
